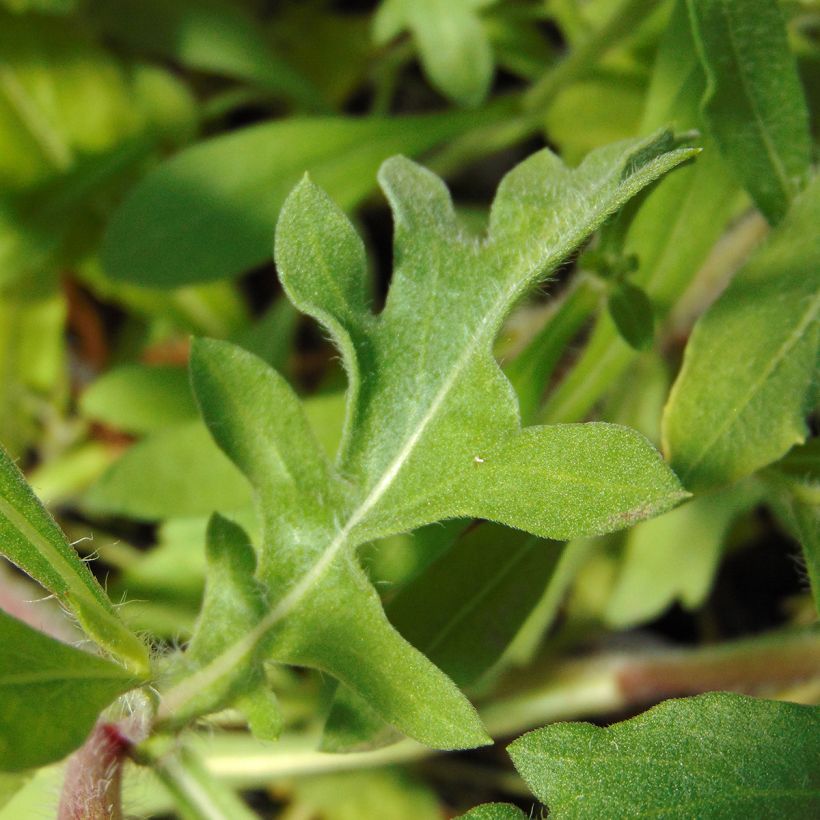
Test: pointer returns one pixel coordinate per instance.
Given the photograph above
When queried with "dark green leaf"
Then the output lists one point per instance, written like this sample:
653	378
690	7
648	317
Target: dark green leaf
712	756
754	104
209	212
631	310
35	671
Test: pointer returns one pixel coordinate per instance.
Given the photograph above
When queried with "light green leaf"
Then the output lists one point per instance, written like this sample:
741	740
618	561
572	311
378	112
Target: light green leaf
432	432
30	538
494	811
174	473
454	48
674	557
138	398
209	35
744	390
713	756
36	670
754	104
209	212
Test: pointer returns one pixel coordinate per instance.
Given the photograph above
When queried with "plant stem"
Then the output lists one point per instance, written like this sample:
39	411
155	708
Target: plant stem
579	689
197	794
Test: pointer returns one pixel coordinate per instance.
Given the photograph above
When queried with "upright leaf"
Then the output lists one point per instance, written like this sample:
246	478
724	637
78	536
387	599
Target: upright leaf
754	104
432	426
453	45
30	538
745	387
36	670
716	755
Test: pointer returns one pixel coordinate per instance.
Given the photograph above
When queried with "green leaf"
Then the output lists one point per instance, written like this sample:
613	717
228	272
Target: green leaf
754	104
745	387
174	473
454	48
674	557
716	755
462	612
138	398
209	212
494	811
631	310
208	35
30	538
36	670
432	432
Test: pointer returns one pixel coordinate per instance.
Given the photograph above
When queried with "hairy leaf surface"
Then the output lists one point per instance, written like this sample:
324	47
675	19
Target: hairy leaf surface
717	755
432	428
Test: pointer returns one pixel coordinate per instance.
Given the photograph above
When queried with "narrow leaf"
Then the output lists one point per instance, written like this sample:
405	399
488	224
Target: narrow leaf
30	538
754	104
631	310
37	670
745	387
716	755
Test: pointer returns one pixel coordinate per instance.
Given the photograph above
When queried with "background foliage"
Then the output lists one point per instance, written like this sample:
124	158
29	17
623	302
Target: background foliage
344	472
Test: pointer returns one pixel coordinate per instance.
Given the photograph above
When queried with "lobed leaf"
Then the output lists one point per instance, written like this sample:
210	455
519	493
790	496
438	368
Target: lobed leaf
30	538
717	755
432	427
754	104
36	670
745	387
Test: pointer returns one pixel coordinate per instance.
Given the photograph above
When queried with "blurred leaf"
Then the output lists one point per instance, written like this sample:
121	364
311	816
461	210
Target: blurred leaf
389	794
631	310
209	212
674	557
744	390
601	109
173	473
716	755
40	6
754	104
209	35
138	398
453	44
37	670
494	811
10	784
31	539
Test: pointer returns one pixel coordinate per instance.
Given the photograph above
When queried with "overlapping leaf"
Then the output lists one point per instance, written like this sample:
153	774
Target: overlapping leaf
432	428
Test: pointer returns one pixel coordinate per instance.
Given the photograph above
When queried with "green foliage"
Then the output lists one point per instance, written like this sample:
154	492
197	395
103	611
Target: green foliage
37	670
754	104
453	45
434	533
236	184
453	447
680	759
30	538
746	384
